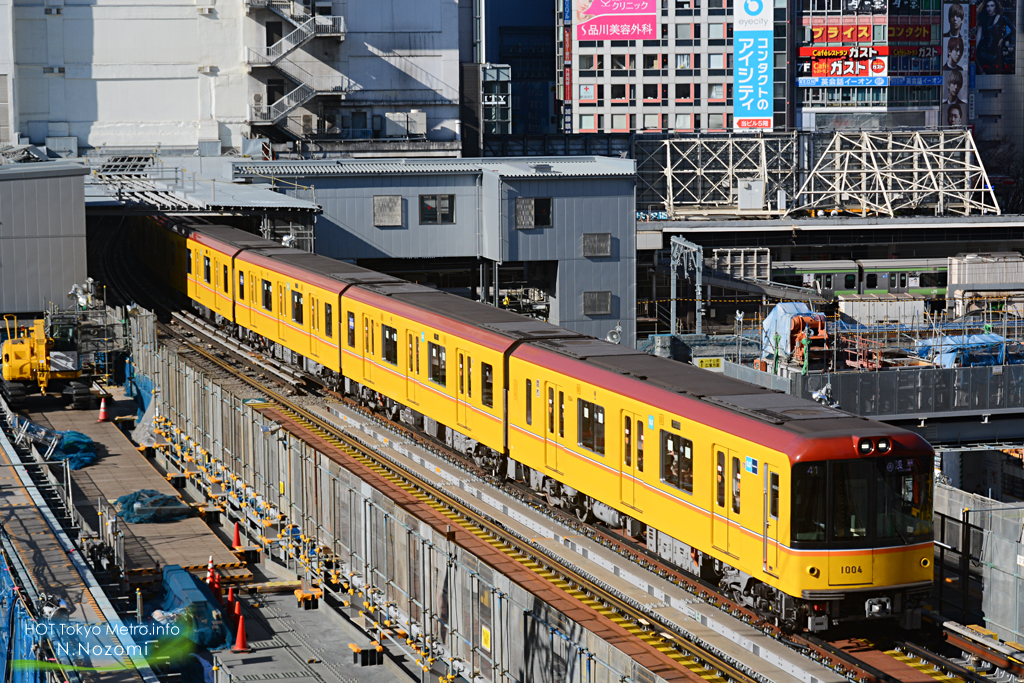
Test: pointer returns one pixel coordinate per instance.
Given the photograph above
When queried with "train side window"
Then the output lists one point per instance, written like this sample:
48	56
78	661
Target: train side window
227	281
850	281
551	411
487	384
590	421
639	446
437	368
351	329
677	461
561	414
773	496
188	265
389	344
720	480
241	286
736	473
627	449
268	296
328	320
529	402
206	269
871	280
297	307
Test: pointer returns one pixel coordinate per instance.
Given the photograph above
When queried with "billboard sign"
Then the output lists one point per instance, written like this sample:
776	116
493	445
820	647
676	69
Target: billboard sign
847	33
616	19
844	66
752	107
910	33
995	37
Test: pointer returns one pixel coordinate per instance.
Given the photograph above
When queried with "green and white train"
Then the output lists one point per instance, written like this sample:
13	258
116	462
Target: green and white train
925	276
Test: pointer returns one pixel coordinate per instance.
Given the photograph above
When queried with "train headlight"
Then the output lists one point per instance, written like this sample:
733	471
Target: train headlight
883	446
864	446
925	562
814	571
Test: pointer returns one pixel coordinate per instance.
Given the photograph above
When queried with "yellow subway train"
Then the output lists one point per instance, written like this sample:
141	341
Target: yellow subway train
803	513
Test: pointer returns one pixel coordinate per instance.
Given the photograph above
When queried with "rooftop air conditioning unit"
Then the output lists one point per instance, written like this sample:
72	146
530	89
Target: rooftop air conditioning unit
417	122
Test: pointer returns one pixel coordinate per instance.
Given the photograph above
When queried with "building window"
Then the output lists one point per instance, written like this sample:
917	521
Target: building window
652	91
683	122
587	122
677	461
684	32
437	369
653	61
652	121
716	32
682	62
716	91
241	286
351	329
620	122
437	209
297	307
716	121
389	344
328	320
597	244
620	62
586	62
268	295
206	269
597	303
533	212
716	61
618	91
683	91
486	384
387	211
591	426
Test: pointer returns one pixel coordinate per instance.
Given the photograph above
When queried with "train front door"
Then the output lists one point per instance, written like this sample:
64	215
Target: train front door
771	520
462	410
632	455
555	432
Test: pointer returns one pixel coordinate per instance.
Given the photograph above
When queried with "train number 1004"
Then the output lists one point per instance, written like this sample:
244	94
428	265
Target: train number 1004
851	569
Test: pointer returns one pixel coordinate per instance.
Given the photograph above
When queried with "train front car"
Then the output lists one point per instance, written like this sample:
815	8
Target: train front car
861	544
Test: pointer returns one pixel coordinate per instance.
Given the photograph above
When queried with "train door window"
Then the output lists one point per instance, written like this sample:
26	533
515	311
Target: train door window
871	280
773	495
561	414
487	385
351	329
241	286
720	480
389	344
828	281
892	280
640	445
736	473
328	320
252	288
268	296
627	449
206	268
437	368
280	299
677	461
410	354
462	371
850	281
314	313
469	376
529	402
551	411
590	421
188	264
417	356
227	281
297	307
903	280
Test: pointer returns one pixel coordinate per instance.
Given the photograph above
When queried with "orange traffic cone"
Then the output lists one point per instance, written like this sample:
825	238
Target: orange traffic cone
241	643
103	411
236	542
231	601
218	592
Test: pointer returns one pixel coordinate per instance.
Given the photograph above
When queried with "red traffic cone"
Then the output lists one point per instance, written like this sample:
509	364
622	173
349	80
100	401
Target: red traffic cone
236	542
103	411
218	592
231	600
241	643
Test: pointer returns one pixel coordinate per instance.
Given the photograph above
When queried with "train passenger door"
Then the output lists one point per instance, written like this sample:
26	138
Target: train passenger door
722	504
631	463
555	424
771	520
413	368
462	409
368	348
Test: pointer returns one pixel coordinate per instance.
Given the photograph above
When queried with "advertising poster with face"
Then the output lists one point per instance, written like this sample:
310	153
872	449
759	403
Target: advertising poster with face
995	36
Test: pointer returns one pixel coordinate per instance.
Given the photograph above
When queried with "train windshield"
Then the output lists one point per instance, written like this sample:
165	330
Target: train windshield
862	502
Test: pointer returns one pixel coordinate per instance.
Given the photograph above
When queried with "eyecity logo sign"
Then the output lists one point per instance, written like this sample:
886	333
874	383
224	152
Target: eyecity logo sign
752	66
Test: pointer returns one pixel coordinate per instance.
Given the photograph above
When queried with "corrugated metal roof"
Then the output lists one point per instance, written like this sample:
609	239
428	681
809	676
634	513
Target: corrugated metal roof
513	167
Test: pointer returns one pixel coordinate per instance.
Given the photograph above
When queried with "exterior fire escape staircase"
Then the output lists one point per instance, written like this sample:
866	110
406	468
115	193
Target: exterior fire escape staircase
306	27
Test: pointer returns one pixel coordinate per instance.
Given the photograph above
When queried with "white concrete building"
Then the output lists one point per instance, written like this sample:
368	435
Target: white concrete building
175	73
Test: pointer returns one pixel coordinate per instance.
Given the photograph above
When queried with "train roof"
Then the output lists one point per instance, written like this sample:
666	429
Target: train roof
823	265
232	237
904	263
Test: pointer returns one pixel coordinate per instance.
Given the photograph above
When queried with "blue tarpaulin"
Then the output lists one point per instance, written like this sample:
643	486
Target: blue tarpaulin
965	350
77	448
147	505
195	607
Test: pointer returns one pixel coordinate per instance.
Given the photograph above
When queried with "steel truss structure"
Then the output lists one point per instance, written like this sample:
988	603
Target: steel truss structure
700	174
886	172
879	173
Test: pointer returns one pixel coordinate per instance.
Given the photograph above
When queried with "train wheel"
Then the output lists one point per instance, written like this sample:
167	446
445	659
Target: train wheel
582	509
552	492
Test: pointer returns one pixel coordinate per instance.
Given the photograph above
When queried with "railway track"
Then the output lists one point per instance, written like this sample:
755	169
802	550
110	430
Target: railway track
636	621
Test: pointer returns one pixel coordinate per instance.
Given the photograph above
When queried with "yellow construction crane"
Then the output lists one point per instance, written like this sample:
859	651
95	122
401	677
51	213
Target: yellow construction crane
44	357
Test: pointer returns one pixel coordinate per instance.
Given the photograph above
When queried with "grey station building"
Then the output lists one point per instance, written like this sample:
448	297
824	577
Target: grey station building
550	237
